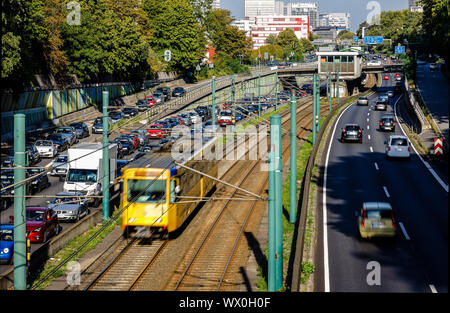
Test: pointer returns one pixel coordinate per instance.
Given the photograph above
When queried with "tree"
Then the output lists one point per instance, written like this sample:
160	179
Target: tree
271	39
177	29
287	39
436	24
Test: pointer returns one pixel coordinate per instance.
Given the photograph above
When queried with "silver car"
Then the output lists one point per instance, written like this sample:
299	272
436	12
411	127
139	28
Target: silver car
398	146
363	101
69	206
46	148
60	166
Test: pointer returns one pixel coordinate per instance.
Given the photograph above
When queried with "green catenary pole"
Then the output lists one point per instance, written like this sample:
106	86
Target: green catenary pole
337	87
314	110
20	273
276	91
275	132
318	102
105	160
329	89
271	269
259	94
293	156
233	111
213	109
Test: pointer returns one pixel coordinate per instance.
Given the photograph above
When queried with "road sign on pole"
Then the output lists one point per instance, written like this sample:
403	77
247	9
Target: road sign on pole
373	39
399	49
438	150
167	55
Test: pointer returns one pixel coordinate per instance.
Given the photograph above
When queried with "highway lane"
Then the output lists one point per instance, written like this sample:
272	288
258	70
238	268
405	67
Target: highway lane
417	260
434	89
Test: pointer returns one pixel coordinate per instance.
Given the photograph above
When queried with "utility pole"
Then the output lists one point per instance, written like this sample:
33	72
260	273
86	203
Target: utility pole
213	113
20	270
275	268
318	102
293	156
276	90
314	110
329	89
233	104
259	94
105	160
338	87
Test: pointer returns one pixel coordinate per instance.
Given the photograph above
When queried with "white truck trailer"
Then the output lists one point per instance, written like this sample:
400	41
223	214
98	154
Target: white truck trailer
85	172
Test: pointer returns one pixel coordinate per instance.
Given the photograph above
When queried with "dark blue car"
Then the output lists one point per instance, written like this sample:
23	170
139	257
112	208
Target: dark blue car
59	140
6	243
165	124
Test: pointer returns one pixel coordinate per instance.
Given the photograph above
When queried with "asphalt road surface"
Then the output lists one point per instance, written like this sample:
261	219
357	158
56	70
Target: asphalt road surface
417	259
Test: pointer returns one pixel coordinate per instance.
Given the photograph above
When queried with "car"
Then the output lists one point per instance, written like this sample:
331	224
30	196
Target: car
165	91
151	101
433	66
120	151
69	132
195	118
380	106
175	120
6	243
384	97
374	63
178	92
39	182
171	122
352	132
225	118
185	119
159	97
398	146
81	129
97	128
129	112
6	200
397	75
387	122
116	116
156	131
69	206
126	144
41	224
390	93
60	166
142	105
33	154
376	219
362	101
60	141
398	78
134	139
386	77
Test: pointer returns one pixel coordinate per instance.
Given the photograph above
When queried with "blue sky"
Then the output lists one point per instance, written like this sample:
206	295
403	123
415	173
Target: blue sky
356	8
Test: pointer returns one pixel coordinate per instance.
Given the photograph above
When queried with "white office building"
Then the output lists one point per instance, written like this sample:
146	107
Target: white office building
338	20
216	4
413	7
255	8
304	8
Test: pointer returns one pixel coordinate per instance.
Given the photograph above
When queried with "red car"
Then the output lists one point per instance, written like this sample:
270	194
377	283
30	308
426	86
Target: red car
41	223
226	105
151	101
386	77
398	75
155	131
134	138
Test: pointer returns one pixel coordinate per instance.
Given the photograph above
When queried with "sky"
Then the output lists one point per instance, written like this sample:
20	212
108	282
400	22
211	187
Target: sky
357	8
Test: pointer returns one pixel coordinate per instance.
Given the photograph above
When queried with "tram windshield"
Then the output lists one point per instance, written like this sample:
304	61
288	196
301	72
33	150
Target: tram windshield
146	191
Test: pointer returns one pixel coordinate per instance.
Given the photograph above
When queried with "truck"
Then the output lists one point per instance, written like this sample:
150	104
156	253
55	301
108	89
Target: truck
85	172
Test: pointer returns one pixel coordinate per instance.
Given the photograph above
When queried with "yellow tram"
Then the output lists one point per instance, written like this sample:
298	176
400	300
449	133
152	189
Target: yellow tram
158	196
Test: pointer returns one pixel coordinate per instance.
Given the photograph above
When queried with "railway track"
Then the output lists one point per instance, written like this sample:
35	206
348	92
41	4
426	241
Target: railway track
129	268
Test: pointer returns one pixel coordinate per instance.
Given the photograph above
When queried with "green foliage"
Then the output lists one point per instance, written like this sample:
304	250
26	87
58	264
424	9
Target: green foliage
10	53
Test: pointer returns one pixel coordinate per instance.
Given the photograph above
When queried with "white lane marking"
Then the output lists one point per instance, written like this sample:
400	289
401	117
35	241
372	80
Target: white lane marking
435	175
404	231
368	136
371	149
386	192
367	119
368	113
368	127
433	289
326	270
376	166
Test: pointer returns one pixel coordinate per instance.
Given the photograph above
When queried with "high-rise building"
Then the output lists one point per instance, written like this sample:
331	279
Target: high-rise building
259	7
338	20
216	4
265	26
304	8
413	7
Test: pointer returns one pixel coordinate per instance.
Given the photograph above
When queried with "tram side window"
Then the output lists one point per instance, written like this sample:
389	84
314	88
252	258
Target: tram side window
146	191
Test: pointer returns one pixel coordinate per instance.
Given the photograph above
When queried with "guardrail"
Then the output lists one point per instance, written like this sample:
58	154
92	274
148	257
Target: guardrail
415	105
